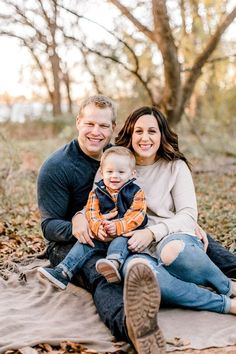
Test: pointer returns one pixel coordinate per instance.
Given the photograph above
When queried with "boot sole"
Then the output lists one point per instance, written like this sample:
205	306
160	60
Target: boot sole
142	301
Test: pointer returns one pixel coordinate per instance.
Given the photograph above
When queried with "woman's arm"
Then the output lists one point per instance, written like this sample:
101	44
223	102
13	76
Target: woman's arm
184	215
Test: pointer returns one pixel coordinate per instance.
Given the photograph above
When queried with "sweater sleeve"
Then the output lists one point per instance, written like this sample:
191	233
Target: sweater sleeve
184	217
134	216
53	199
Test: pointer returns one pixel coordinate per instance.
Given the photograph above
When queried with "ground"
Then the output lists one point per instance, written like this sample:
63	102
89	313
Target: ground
20	235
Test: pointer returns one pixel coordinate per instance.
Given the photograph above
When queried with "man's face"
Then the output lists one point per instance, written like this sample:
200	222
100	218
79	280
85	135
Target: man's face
95	129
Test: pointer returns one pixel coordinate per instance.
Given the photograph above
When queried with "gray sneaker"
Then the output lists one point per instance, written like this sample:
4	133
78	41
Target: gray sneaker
141	304
55	275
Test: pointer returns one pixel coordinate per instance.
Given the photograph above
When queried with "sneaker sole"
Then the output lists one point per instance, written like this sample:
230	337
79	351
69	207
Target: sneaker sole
108	270
142	301
43	273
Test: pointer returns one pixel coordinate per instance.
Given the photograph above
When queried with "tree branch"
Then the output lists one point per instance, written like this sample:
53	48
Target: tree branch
203	57
213	60
136	62
116	60
44	13
31	47
86	63
25	21
125	11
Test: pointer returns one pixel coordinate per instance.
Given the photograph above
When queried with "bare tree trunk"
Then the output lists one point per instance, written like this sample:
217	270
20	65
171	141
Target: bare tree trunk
175	94
56	85
200	61
55	63
20	15
172	92
66	79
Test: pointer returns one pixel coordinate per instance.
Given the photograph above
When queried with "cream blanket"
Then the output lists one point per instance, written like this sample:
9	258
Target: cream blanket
32	311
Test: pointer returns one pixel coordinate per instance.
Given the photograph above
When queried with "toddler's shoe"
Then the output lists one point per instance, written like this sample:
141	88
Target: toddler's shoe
56	276
109	270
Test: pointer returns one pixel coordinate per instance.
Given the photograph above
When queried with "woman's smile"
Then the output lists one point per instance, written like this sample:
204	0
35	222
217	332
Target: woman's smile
145	147
146	140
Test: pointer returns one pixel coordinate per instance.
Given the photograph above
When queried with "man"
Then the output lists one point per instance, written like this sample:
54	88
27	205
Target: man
64	182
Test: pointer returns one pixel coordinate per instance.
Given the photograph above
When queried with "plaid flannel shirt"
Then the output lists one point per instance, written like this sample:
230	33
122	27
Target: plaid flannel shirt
133	217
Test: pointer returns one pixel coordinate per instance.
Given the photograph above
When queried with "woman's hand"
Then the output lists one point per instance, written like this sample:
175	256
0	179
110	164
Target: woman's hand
81	230
200	233
139	239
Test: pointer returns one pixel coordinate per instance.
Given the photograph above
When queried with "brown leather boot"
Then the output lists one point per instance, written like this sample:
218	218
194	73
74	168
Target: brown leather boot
141	303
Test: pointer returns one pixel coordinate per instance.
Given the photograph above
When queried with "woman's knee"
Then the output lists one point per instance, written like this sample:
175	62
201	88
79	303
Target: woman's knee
170	251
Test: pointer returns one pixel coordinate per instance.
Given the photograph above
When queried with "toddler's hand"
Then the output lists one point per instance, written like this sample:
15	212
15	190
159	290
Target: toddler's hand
102	234
110	227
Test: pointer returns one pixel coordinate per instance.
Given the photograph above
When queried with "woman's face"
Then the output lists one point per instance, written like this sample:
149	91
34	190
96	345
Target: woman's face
146	140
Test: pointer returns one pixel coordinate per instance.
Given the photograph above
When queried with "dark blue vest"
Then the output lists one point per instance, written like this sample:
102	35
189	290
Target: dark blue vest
124	199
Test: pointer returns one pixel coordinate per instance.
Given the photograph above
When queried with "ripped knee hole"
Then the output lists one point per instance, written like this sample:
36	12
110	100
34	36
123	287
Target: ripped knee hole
171	251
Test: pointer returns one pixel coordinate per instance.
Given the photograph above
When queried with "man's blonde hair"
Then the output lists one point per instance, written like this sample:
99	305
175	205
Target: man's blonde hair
120	151
101	102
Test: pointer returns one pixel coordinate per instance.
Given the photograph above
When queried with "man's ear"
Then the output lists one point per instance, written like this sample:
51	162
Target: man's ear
113	126
134	173
77	121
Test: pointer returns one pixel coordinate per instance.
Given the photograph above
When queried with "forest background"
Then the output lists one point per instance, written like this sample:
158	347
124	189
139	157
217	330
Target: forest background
178	55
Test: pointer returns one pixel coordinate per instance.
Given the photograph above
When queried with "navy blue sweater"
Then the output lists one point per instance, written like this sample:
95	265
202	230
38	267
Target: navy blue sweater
64	182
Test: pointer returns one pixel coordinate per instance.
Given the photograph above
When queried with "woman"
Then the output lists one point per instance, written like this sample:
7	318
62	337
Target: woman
164	174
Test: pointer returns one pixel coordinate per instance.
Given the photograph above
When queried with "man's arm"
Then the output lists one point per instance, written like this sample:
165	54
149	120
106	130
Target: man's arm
53	200
57	230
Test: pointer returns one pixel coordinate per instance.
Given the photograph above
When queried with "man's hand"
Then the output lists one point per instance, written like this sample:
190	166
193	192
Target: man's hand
200	233
139	239
81	230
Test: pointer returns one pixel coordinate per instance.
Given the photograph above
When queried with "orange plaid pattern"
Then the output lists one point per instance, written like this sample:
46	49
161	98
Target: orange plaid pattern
133	217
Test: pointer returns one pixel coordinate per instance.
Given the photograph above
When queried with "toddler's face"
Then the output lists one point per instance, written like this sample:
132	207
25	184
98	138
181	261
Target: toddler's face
116	171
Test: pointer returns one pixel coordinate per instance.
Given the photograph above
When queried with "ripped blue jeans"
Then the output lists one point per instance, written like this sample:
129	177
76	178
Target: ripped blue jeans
179	281
193	265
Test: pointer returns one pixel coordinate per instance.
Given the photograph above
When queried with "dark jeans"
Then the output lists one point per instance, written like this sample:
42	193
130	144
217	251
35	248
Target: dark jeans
108	298
224	259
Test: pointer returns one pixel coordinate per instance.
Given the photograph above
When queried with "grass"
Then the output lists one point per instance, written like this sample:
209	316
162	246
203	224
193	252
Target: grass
213	171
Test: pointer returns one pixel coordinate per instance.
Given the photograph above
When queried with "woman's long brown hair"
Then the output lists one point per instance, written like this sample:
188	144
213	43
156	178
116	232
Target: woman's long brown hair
169	147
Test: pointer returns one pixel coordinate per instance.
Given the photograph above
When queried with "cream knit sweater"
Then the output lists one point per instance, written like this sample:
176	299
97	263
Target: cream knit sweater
170	196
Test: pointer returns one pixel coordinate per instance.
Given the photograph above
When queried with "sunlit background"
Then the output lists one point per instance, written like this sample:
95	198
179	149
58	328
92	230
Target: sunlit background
93	56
